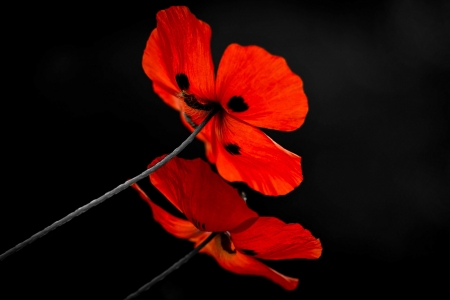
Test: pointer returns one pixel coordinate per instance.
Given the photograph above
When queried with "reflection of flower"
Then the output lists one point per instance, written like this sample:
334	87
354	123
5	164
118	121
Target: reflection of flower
252	88
211	205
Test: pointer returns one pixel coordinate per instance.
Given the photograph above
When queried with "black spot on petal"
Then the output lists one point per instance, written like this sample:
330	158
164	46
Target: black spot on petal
182	81
233	149
248	252
237	104
203	226
196	223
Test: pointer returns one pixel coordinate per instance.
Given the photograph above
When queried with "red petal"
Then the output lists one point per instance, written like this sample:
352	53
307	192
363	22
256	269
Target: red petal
271	238
205	199
273	94
180	45
156	69
245	265
168	96
244	153
178	227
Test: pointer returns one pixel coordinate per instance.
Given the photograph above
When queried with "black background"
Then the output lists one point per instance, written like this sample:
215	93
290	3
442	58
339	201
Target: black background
80	117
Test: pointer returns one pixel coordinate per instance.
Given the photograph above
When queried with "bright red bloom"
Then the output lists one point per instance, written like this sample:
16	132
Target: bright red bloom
211	205
252	88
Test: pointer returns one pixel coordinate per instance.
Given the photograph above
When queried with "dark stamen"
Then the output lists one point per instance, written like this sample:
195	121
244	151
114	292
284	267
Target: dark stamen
233	149
192	102
182	81
237	104
225	242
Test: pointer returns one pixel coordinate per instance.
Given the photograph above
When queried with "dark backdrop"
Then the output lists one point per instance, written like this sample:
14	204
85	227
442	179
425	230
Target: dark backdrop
80	117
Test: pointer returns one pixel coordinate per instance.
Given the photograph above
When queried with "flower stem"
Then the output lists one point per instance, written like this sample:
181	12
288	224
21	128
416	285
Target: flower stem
172	268
109	194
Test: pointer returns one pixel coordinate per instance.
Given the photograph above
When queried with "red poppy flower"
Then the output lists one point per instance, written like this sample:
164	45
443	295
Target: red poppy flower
211	205
253	89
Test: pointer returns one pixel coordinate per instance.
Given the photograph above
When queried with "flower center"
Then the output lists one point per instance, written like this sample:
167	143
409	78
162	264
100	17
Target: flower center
190	100
226	243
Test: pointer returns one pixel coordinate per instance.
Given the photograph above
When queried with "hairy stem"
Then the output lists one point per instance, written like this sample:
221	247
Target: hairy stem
109	194
172	268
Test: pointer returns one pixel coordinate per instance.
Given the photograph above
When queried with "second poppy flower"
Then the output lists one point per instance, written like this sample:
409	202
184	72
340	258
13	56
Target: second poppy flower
253	89
211	205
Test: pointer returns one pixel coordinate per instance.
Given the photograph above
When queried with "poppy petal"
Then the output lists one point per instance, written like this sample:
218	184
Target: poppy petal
205	199
244	153
239	263
271	238
260	89
154	66
178	56
167	96
178	227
